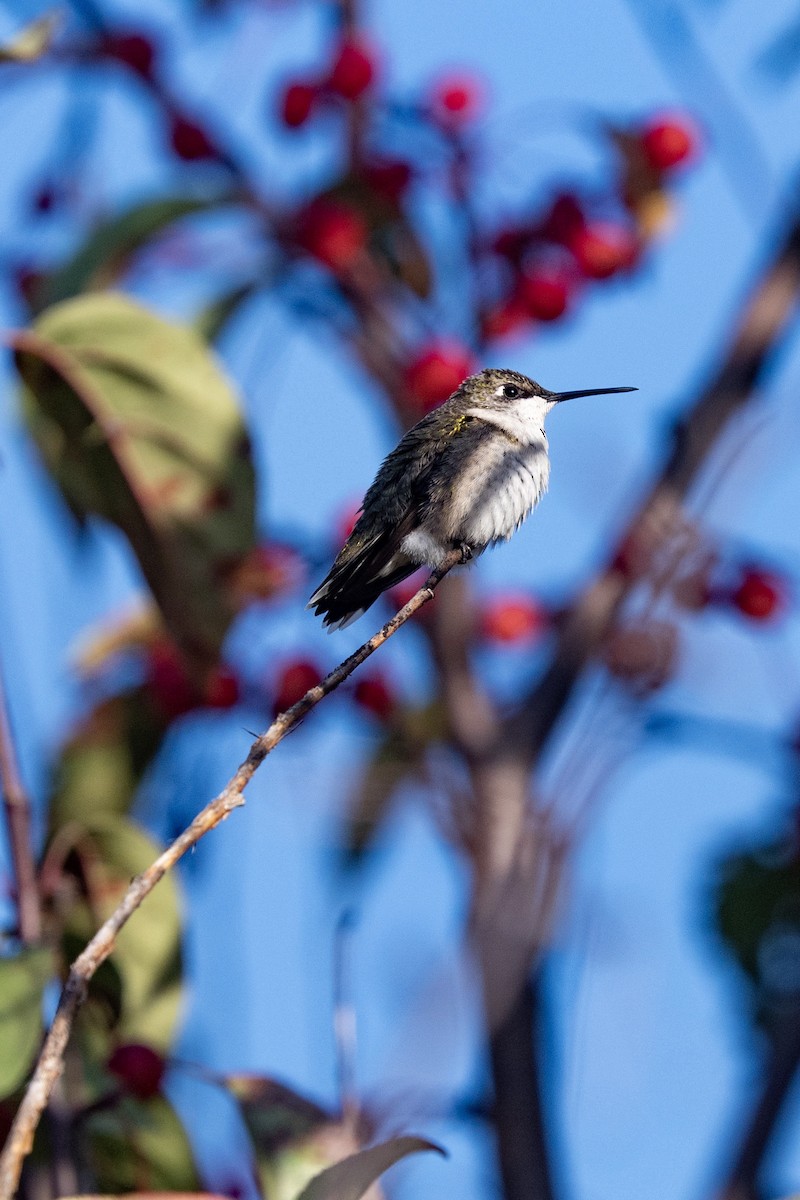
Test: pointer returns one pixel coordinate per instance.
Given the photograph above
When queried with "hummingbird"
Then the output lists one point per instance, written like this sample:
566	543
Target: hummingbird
464	477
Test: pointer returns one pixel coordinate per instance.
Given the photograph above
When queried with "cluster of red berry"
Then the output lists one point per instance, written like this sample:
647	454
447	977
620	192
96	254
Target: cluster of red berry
138	51
643	656
352	71
173	691
756	593
336	232
269	572
372	691
548	260
542	264
538	267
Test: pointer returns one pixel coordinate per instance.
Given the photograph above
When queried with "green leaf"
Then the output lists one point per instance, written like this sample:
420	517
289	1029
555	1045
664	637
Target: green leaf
140	1145
105	254
353	1176
102	763
22	982
151	1196
293	1137
393	239
32	41
274	1114
756	909
112	851
137	423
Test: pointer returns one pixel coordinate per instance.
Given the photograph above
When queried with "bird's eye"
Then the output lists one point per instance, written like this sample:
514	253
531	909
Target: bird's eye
510	391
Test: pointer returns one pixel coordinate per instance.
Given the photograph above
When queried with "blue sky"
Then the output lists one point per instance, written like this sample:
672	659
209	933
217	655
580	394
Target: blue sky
652	1058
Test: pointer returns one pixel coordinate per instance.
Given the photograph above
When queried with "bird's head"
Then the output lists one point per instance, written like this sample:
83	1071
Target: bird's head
510	392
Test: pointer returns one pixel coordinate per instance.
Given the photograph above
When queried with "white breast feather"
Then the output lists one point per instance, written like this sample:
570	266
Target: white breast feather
526	474
506	507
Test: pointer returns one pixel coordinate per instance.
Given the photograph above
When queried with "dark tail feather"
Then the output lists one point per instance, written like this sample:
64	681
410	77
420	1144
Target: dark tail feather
343	600
359	575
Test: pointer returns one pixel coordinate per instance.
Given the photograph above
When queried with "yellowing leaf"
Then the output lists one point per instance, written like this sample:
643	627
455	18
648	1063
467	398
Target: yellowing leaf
31	42
104	759
138	425
133	630
112	850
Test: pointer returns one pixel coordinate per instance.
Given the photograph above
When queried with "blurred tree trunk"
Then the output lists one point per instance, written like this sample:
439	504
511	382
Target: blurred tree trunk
523	1144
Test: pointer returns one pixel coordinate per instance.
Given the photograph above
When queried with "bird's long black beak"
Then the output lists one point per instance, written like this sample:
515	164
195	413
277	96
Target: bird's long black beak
557	397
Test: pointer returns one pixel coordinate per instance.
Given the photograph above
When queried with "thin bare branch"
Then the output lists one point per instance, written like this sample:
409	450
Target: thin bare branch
18	816
50	1062
779	1075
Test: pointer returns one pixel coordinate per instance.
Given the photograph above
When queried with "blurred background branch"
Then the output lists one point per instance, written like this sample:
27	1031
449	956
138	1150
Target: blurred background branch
18	821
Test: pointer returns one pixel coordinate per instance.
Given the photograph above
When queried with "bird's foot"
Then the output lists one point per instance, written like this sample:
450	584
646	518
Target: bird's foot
466	553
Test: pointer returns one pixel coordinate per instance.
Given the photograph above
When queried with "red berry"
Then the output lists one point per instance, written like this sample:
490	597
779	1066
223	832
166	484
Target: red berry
390	178
509	619
28	282
295	679
268	569
667	141
298	103
190	141
167	681
511	243
46	198
456	100
564	220
373	694
334	233
545	292
222	689
437	372
507	318
353	69
135	50
139	1068
760	595
604	248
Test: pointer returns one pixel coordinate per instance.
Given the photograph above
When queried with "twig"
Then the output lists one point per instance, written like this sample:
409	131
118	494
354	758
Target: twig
344	1019
780	1072
50	1062
736	142
18	816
